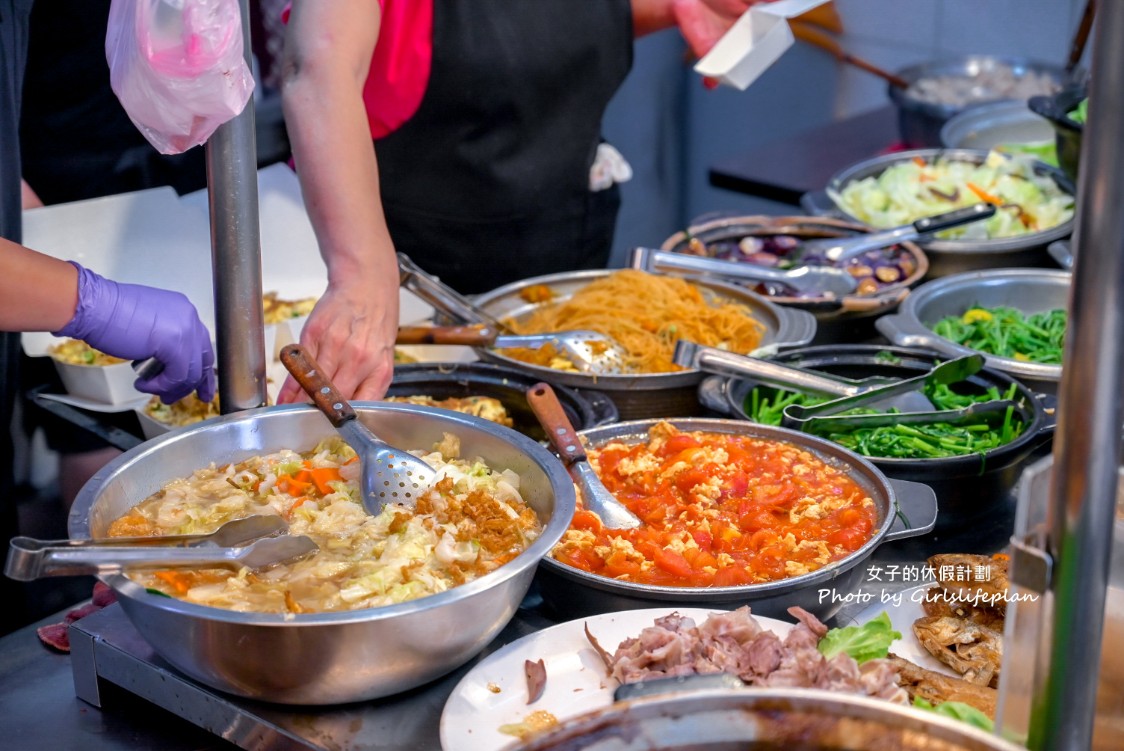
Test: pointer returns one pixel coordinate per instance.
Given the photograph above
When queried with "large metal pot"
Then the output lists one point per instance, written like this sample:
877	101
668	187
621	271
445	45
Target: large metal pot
647	394
920	121
585	408
955	256
905	509
325	658
1029	290
966	486
763	720
843	319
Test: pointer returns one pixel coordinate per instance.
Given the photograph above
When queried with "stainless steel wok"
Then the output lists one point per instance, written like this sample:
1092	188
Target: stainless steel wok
325	658
905	509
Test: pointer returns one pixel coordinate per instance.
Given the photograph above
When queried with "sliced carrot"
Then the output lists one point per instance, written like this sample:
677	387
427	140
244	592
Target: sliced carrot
983	195
920	162
324	475
174	579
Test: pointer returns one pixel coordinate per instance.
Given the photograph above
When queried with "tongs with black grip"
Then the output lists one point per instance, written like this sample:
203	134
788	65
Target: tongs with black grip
255	542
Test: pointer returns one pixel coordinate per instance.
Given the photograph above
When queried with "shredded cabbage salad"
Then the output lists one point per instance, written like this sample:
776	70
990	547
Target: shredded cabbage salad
915	188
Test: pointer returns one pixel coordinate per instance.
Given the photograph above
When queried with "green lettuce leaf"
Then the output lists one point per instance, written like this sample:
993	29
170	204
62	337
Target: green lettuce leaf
866	642
958	711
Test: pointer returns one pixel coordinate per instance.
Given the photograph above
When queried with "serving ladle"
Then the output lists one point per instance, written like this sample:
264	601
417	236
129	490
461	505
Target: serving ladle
388	475
595	496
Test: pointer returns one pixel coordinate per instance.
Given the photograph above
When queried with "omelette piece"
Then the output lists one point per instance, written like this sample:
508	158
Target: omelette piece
937	688
487	407
972	650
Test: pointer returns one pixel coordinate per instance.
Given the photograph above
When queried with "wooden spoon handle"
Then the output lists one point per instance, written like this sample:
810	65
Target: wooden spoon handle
472	336
544	403
324	395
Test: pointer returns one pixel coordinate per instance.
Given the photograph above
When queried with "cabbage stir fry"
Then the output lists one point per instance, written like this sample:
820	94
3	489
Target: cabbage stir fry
916	188
922	441
473	521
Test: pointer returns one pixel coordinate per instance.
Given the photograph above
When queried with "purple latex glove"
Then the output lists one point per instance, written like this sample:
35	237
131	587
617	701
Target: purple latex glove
136	322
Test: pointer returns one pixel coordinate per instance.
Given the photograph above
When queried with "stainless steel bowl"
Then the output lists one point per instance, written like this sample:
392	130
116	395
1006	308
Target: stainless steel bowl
1029	290
920	122
955	256
905	509
646	394
987	126
763	720
325	658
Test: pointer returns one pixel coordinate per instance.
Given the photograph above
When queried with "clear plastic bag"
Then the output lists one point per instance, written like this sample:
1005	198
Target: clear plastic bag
178	67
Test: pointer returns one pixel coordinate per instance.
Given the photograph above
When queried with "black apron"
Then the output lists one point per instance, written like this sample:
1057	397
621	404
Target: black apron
489	181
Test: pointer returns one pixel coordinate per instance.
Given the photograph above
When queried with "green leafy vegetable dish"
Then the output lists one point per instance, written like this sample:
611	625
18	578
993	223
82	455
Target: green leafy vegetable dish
1007	332
765	405
915	188
1079	113
869	641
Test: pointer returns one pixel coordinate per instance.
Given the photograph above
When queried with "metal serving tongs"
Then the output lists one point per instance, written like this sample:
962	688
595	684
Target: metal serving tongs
595	496
719	361
841	249
951	371
590	351
817	279
255	542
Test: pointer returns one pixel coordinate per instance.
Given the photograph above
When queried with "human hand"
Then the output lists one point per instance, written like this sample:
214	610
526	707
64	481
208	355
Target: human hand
703	22
350	333
136	322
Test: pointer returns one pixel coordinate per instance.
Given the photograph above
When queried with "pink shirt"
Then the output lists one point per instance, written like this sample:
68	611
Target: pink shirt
400	66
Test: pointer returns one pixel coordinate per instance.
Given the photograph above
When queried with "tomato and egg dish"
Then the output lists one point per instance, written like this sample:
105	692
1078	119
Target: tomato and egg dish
718	510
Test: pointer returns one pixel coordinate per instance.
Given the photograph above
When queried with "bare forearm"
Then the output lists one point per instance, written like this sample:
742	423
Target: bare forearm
37	292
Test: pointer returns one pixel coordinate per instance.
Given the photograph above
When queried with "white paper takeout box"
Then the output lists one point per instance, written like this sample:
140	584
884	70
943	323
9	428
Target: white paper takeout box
105	384
753	43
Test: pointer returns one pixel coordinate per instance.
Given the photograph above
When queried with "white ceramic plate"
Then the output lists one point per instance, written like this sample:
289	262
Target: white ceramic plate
576	681
902	614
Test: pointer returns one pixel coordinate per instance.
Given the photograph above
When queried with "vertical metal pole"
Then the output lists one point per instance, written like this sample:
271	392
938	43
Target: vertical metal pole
232	181
1088	442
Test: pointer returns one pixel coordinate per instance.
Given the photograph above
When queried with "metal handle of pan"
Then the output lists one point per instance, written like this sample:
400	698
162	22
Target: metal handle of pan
714	395
819	203
890	327
796	327
470	336
441	296
915	512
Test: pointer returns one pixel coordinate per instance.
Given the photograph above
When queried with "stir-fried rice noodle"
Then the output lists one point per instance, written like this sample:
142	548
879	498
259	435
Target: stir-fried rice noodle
472	521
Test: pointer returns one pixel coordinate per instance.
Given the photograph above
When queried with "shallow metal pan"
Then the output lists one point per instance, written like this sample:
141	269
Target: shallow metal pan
646	394
905	509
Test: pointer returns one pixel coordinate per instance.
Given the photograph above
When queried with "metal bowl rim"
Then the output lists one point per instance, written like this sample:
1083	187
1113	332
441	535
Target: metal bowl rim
837	228
636	428
78	522
878	164
1012	108
907	311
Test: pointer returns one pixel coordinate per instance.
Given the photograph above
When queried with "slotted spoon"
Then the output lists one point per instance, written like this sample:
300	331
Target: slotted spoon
387	475
595	496
589	351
